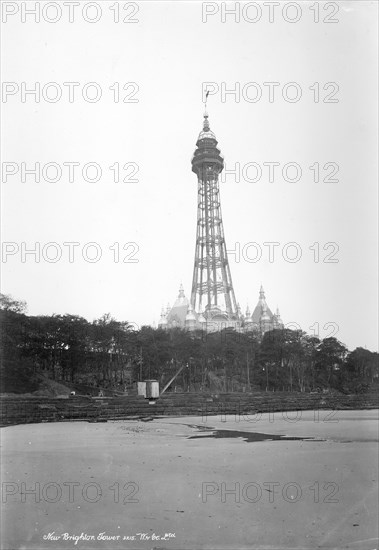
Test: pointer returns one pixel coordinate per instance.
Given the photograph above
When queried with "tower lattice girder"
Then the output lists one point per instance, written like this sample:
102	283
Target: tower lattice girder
212	288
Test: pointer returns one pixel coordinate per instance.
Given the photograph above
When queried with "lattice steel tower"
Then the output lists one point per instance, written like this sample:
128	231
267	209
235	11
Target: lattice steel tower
212	294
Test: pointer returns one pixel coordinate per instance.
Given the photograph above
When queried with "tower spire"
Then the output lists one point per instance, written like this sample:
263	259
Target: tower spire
206	126
206	121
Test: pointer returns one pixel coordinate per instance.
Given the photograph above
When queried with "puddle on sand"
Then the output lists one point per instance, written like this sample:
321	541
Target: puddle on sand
249	437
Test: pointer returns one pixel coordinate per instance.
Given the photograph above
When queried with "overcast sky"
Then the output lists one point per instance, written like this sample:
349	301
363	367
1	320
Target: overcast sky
169	53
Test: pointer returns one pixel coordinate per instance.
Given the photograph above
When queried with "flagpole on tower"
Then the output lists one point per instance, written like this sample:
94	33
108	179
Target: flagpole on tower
206	98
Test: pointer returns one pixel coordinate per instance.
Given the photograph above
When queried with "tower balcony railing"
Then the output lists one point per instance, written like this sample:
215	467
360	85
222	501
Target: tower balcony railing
210	151
212	154
217	167
203	156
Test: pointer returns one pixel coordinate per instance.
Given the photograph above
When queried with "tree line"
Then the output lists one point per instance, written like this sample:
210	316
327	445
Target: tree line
107	353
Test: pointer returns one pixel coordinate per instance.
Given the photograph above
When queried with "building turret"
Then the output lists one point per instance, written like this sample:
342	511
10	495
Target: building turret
202	320
190	321
181	296
277	319
163	319
262	293
247	315
278	315
266	319
239	312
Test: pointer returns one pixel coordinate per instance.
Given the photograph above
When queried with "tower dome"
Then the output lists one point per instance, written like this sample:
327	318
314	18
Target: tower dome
206	132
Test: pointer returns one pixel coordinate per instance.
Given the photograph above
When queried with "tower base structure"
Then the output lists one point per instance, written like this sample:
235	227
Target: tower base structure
182	315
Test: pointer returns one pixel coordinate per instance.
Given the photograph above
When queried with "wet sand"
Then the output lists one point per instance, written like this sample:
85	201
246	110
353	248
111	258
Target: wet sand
232	483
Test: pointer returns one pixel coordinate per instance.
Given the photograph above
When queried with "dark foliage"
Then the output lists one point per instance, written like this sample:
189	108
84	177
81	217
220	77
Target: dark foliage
111	354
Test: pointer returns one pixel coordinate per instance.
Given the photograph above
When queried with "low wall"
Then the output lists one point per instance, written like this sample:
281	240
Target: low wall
23	410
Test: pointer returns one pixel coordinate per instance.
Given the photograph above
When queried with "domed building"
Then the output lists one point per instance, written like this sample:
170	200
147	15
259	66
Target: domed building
175	316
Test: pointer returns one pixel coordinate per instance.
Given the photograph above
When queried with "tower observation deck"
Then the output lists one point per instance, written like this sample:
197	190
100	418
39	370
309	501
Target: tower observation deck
212	294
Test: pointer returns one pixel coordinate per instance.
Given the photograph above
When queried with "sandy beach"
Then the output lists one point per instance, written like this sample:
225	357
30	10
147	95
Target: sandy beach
279	481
